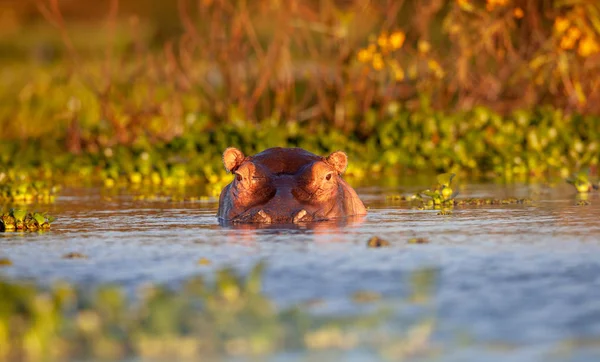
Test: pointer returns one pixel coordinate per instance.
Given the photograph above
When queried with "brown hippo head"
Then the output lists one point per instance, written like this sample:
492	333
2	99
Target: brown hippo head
286	185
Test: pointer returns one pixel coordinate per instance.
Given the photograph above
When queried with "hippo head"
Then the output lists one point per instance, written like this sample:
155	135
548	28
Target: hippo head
286	185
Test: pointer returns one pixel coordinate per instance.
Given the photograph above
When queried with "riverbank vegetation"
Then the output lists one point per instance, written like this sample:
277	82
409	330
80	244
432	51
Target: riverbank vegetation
152	94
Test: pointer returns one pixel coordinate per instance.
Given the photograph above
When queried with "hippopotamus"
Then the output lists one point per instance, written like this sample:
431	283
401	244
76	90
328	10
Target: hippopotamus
286	185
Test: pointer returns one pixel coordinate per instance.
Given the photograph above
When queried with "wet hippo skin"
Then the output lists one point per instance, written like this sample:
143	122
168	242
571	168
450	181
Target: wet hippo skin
286	185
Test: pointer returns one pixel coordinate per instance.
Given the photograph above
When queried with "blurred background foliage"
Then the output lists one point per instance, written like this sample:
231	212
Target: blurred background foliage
201	319
153	90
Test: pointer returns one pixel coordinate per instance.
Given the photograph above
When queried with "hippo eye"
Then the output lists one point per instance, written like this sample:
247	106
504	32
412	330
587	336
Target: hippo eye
328	177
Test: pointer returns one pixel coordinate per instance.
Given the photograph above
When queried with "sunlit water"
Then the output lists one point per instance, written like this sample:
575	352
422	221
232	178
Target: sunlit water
511	282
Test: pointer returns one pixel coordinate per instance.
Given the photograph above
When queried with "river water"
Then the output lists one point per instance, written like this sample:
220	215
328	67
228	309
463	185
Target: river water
517	282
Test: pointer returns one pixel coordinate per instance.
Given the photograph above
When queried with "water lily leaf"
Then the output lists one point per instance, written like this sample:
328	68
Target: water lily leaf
39	218
447	193
430	193
19	215
445	179
583	175
581	180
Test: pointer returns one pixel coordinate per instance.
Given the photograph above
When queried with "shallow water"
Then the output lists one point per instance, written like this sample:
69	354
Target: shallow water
518	282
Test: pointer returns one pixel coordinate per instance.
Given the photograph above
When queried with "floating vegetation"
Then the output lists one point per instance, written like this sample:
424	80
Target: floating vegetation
22	220
5	262
377	242
581	181
477	143
492	201
146	169
442	194
75	255
442	197
365	296
204	261
27	192
170	198
197	320
418	241
397	197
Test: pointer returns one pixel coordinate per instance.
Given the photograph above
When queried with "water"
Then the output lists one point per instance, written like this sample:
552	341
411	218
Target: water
518	282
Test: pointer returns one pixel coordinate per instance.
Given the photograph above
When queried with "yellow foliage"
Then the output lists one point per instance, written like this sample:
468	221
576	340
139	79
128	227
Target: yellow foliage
518	13
397	70
383	41
561	24
588	46
424	46
399	74
377	61
397	39
569	40
364	56
436	68
465	5
579	92
567	43
492	4
574	33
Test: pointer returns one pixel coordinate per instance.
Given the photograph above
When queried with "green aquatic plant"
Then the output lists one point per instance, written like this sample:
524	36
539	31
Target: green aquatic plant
365	296
19	216
23	220
523	146
197	320
418	241
377	242
24	192
443	194
581	181
7	222
443	197
74	255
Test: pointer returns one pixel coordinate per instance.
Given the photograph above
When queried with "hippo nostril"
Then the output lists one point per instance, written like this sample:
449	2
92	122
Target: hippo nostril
299	216
262	216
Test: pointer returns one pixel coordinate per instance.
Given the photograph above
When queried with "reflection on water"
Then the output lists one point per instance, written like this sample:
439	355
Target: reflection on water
333	229
518	282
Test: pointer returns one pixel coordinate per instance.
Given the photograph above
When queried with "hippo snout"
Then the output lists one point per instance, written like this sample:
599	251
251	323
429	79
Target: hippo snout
302	216
259	217
266	217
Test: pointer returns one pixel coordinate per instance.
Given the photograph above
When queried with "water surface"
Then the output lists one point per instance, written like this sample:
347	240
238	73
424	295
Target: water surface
518	282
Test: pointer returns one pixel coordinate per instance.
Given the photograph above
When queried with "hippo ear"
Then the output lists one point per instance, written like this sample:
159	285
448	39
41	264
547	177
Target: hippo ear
339	161
232	158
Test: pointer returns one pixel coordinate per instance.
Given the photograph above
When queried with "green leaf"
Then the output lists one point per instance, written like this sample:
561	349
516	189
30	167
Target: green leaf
253	281
430	193
445	179
19	215
41	219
